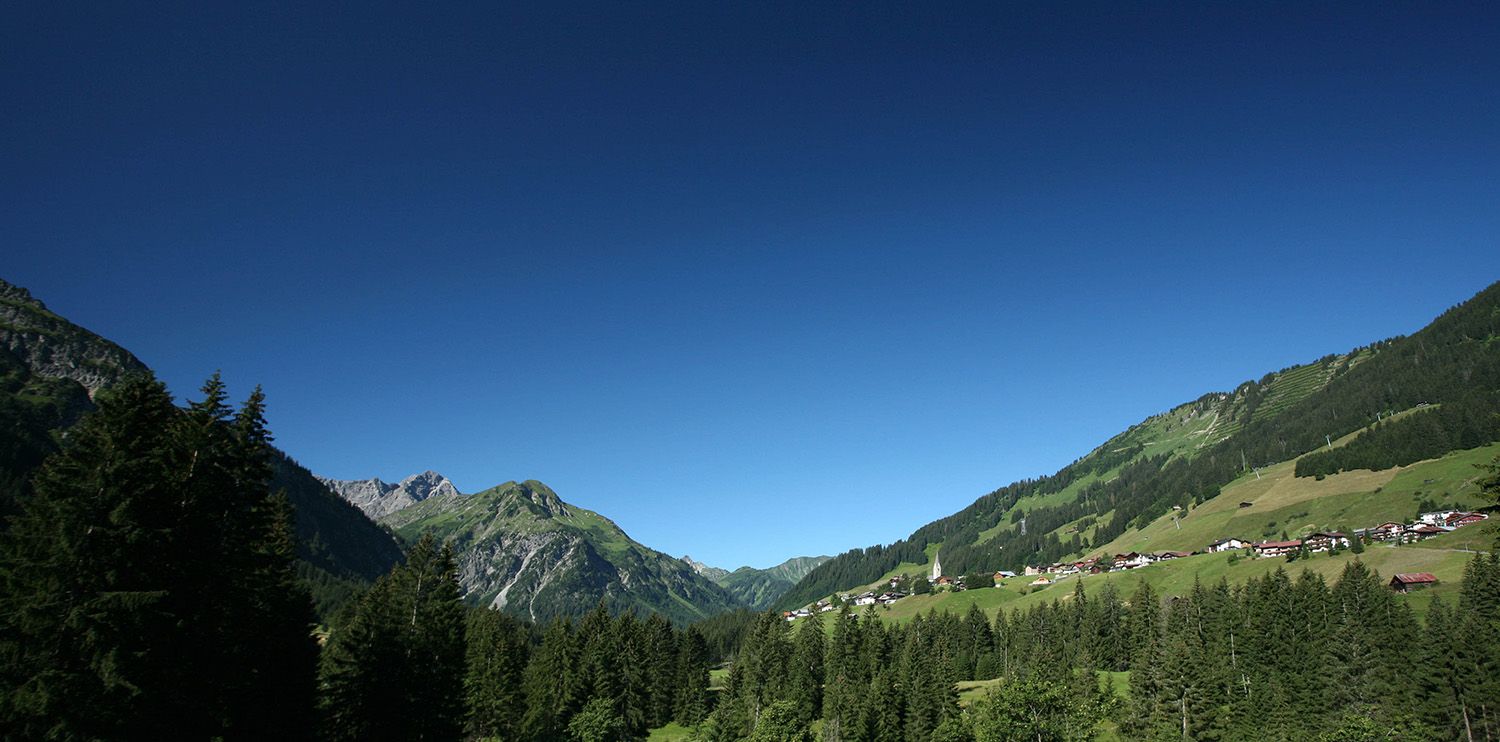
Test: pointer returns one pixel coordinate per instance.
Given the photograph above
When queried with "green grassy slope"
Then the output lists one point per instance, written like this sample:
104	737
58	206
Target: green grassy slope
523	549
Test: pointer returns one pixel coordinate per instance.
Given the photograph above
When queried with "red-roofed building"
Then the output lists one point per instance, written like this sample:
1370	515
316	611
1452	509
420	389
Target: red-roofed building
1464	519
1408	581
1275	548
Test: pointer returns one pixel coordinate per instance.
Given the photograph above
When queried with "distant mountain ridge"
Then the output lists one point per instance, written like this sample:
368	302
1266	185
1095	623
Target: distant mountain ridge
759	588
522	549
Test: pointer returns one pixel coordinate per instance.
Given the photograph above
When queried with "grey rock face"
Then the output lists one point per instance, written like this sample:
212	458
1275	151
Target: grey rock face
55	348
378	499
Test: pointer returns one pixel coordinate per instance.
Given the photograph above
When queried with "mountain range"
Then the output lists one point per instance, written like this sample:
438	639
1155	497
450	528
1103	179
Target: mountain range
522	549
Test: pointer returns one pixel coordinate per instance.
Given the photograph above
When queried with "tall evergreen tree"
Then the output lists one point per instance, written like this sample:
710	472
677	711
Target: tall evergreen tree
495	665
148	586
395	670
805	673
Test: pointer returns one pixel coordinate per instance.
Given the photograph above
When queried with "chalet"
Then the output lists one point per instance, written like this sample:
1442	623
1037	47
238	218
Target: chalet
868	598
1387	531
890	597
1002	574
1228	544
825	607
1464	519
946	583
1041	582
1132	560
1275	548
1404	583
1422	532
1436	517
1172	555
1031	571
1326	541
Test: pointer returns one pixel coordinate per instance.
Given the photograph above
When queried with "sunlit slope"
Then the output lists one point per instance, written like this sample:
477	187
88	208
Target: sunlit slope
1186	461
521	549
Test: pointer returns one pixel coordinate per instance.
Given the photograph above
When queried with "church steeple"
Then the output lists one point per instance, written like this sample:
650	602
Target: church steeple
937	567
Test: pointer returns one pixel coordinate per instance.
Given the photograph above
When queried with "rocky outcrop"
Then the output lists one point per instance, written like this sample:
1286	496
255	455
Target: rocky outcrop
53	347
523	550
378	499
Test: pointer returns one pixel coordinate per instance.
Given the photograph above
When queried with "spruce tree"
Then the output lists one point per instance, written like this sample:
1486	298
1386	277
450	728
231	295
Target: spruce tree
82	595
395	670
497	650
692	699
805	673
149	587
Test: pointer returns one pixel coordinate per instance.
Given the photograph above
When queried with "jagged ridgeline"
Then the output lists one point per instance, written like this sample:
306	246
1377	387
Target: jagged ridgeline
50	370
523	550
1186	455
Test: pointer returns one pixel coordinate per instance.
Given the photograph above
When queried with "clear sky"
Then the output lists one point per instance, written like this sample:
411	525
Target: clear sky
754	280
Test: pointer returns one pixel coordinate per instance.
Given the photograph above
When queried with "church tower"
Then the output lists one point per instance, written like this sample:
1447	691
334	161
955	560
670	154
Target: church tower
937	567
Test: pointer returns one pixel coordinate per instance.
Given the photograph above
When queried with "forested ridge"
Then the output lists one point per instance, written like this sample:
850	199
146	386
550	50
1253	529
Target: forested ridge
1454	362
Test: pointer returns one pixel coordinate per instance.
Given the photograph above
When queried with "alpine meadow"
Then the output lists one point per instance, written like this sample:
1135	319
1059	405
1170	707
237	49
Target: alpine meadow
1012	372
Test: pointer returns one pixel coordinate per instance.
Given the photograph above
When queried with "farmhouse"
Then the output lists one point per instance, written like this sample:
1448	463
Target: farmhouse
1464	519
1325	541
1132	560
1422	532
1041	582
1228	544
1409	581
1387	531
1276	548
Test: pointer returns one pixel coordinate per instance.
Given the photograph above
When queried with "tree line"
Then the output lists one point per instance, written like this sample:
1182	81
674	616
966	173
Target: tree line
1276	658
1470	422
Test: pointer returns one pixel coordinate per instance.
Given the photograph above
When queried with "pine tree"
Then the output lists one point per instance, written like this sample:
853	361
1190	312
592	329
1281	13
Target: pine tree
497	651
81	596
1369	647
805	673
554	690
396	669
149	585
691	703
659	668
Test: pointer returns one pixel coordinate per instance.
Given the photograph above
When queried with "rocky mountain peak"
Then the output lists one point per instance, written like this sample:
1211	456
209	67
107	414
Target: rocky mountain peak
427	484
53	347
378	499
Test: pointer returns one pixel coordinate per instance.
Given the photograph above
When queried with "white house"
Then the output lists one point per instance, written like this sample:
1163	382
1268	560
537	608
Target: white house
1228	544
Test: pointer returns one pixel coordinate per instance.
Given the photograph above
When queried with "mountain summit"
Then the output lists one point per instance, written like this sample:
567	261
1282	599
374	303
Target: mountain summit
378	499
522	549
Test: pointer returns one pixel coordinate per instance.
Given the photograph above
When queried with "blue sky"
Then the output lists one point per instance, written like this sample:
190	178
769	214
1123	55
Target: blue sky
757	280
